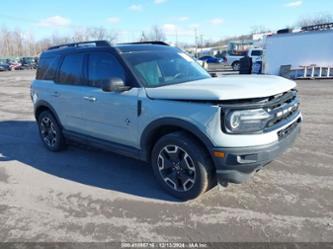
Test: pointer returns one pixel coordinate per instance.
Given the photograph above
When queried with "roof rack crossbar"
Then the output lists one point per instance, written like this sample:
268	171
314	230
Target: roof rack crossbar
99	43
147	42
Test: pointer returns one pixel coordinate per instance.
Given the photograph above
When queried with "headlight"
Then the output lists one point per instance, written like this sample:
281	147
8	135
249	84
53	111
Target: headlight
246	121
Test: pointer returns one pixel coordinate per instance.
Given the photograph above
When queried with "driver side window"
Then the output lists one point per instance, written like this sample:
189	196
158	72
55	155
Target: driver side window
102	67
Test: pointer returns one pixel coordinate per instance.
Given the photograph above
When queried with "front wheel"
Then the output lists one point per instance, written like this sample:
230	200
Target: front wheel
236	66
182	166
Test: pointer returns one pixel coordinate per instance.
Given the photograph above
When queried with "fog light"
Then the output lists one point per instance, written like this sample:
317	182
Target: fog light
219	154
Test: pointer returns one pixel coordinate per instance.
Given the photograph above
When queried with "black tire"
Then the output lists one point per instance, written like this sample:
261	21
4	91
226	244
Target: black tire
50	132
236	66
188	178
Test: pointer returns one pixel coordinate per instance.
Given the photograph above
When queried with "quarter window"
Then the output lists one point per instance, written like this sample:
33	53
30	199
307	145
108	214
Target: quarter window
102	67
47	68
71	69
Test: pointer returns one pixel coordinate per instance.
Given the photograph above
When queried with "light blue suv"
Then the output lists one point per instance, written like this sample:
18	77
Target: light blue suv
154	103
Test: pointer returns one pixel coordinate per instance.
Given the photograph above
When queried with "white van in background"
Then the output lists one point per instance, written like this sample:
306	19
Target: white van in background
233	60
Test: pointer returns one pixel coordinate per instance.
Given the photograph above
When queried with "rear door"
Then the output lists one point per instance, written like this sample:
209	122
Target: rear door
68	91
109	116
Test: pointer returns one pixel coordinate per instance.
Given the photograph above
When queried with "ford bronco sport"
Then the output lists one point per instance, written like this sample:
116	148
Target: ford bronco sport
153	102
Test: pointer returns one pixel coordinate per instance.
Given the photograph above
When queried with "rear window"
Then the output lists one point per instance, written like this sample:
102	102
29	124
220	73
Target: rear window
71	69
47	68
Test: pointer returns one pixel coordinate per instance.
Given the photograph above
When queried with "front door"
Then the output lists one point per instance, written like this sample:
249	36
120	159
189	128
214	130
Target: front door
109	116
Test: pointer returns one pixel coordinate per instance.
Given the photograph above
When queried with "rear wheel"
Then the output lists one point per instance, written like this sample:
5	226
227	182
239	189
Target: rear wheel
50	132
181	166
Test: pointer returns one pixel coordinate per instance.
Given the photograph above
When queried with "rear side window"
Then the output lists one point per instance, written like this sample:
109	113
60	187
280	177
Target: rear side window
102	67
47	68
71	69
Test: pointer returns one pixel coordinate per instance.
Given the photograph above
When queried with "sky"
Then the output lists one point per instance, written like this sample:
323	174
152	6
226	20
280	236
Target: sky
180	19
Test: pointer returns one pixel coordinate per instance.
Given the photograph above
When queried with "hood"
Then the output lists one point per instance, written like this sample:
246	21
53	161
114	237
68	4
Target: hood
224	88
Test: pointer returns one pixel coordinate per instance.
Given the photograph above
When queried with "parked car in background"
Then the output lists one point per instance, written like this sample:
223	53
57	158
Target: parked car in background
4	65
14	64
211	59
28	63
233	59
222	55
257	66
37	61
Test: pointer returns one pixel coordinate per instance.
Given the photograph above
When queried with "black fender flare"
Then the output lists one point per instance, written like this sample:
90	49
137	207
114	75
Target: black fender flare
149	131
43	103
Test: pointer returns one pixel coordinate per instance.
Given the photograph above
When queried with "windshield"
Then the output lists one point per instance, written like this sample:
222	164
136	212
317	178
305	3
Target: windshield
2	61
157	68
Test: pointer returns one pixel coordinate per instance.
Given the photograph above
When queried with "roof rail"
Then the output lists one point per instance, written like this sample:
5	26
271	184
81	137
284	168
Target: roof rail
99	43
147	42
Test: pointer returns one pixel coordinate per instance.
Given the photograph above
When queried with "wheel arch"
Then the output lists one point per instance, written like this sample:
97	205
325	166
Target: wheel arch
235	62
41	106
163	126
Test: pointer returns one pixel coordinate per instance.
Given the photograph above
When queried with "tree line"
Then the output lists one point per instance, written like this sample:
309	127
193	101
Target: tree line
17	43
14	43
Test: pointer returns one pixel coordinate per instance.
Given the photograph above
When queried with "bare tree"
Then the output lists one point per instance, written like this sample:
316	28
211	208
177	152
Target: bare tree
17	43
80	35
320	18
4	41
259	29
12	42
95	33
143	37
155	34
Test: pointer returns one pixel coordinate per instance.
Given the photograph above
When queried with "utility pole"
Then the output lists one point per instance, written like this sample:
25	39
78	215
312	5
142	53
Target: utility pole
196	41
176	37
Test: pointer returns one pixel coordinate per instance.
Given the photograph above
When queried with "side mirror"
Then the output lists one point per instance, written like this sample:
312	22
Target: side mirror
115	85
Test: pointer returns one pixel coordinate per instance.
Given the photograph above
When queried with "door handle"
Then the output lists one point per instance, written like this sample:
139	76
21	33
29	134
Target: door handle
90	98
55	94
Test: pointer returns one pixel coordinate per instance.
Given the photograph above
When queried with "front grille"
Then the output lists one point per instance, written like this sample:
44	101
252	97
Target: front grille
282	108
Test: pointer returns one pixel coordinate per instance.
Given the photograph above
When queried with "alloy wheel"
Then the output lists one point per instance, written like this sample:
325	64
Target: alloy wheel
176	168
48	132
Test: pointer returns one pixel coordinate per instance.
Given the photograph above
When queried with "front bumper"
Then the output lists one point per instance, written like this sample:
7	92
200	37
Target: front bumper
238	164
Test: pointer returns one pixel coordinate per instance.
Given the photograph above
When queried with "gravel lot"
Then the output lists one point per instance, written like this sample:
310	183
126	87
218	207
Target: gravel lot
89	195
